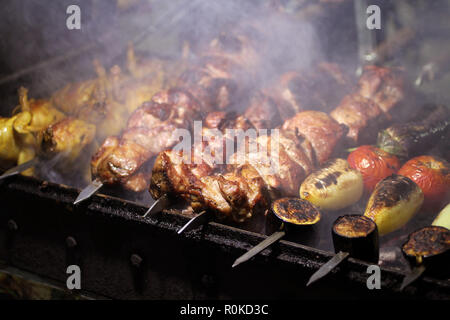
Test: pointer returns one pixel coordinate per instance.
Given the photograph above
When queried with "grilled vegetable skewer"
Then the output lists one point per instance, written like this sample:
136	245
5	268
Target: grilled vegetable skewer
294	214
353	236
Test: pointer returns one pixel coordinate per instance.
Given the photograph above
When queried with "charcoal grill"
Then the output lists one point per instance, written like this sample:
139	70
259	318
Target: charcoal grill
125	256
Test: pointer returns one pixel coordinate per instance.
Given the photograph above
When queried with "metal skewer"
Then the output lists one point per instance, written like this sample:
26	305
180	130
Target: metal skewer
87	192
260	247
158	206
291	211
328	267
355	236
20	168
199	220
415	274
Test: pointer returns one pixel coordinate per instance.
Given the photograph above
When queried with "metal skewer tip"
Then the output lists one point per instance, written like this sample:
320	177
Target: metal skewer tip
19	169
158	206
87	192
416	272
258	248
328	267
202	218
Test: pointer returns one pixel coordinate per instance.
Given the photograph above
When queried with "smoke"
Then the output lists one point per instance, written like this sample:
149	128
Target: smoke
53	56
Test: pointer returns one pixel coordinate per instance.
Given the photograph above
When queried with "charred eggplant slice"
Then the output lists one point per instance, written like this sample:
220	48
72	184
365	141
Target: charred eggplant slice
357	235
429	246
296	211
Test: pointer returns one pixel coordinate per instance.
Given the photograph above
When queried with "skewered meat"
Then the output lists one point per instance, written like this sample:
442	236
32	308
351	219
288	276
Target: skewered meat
252	178
209	85
69	137
263	112
149	130
319	129
20	134
370	107
382	85
317	89
16	144
361	115
107	100
235	195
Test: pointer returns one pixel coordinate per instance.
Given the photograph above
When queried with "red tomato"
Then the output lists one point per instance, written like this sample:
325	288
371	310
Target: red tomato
431	174
373	163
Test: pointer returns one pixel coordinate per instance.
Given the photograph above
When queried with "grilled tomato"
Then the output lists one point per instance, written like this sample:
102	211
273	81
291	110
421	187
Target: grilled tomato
373	163
432	175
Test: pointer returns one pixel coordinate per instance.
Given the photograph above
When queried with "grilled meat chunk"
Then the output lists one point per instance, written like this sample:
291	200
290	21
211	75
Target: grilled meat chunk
382	85
323	132
318	89
234	195
69	137
150	129
370	106
362	116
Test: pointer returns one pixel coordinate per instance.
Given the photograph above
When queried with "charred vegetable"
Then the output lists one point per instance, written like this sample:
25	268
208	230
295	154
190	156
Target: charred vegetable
395	200
410	139
333	187
429	246
296	211
443	218
432	175
373	163
357	235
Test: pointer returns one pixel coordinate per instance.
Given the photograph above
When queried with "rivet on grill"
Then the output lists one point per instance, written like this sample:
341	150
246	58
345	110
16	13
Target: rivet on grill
12	225
71	242
136	260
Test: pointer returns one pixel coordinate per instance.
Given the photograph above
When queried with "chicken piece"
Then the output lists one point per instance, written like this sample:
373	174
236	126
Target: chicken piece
362	116
21	134
68	137
110	98
43	113
323	132
17	144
